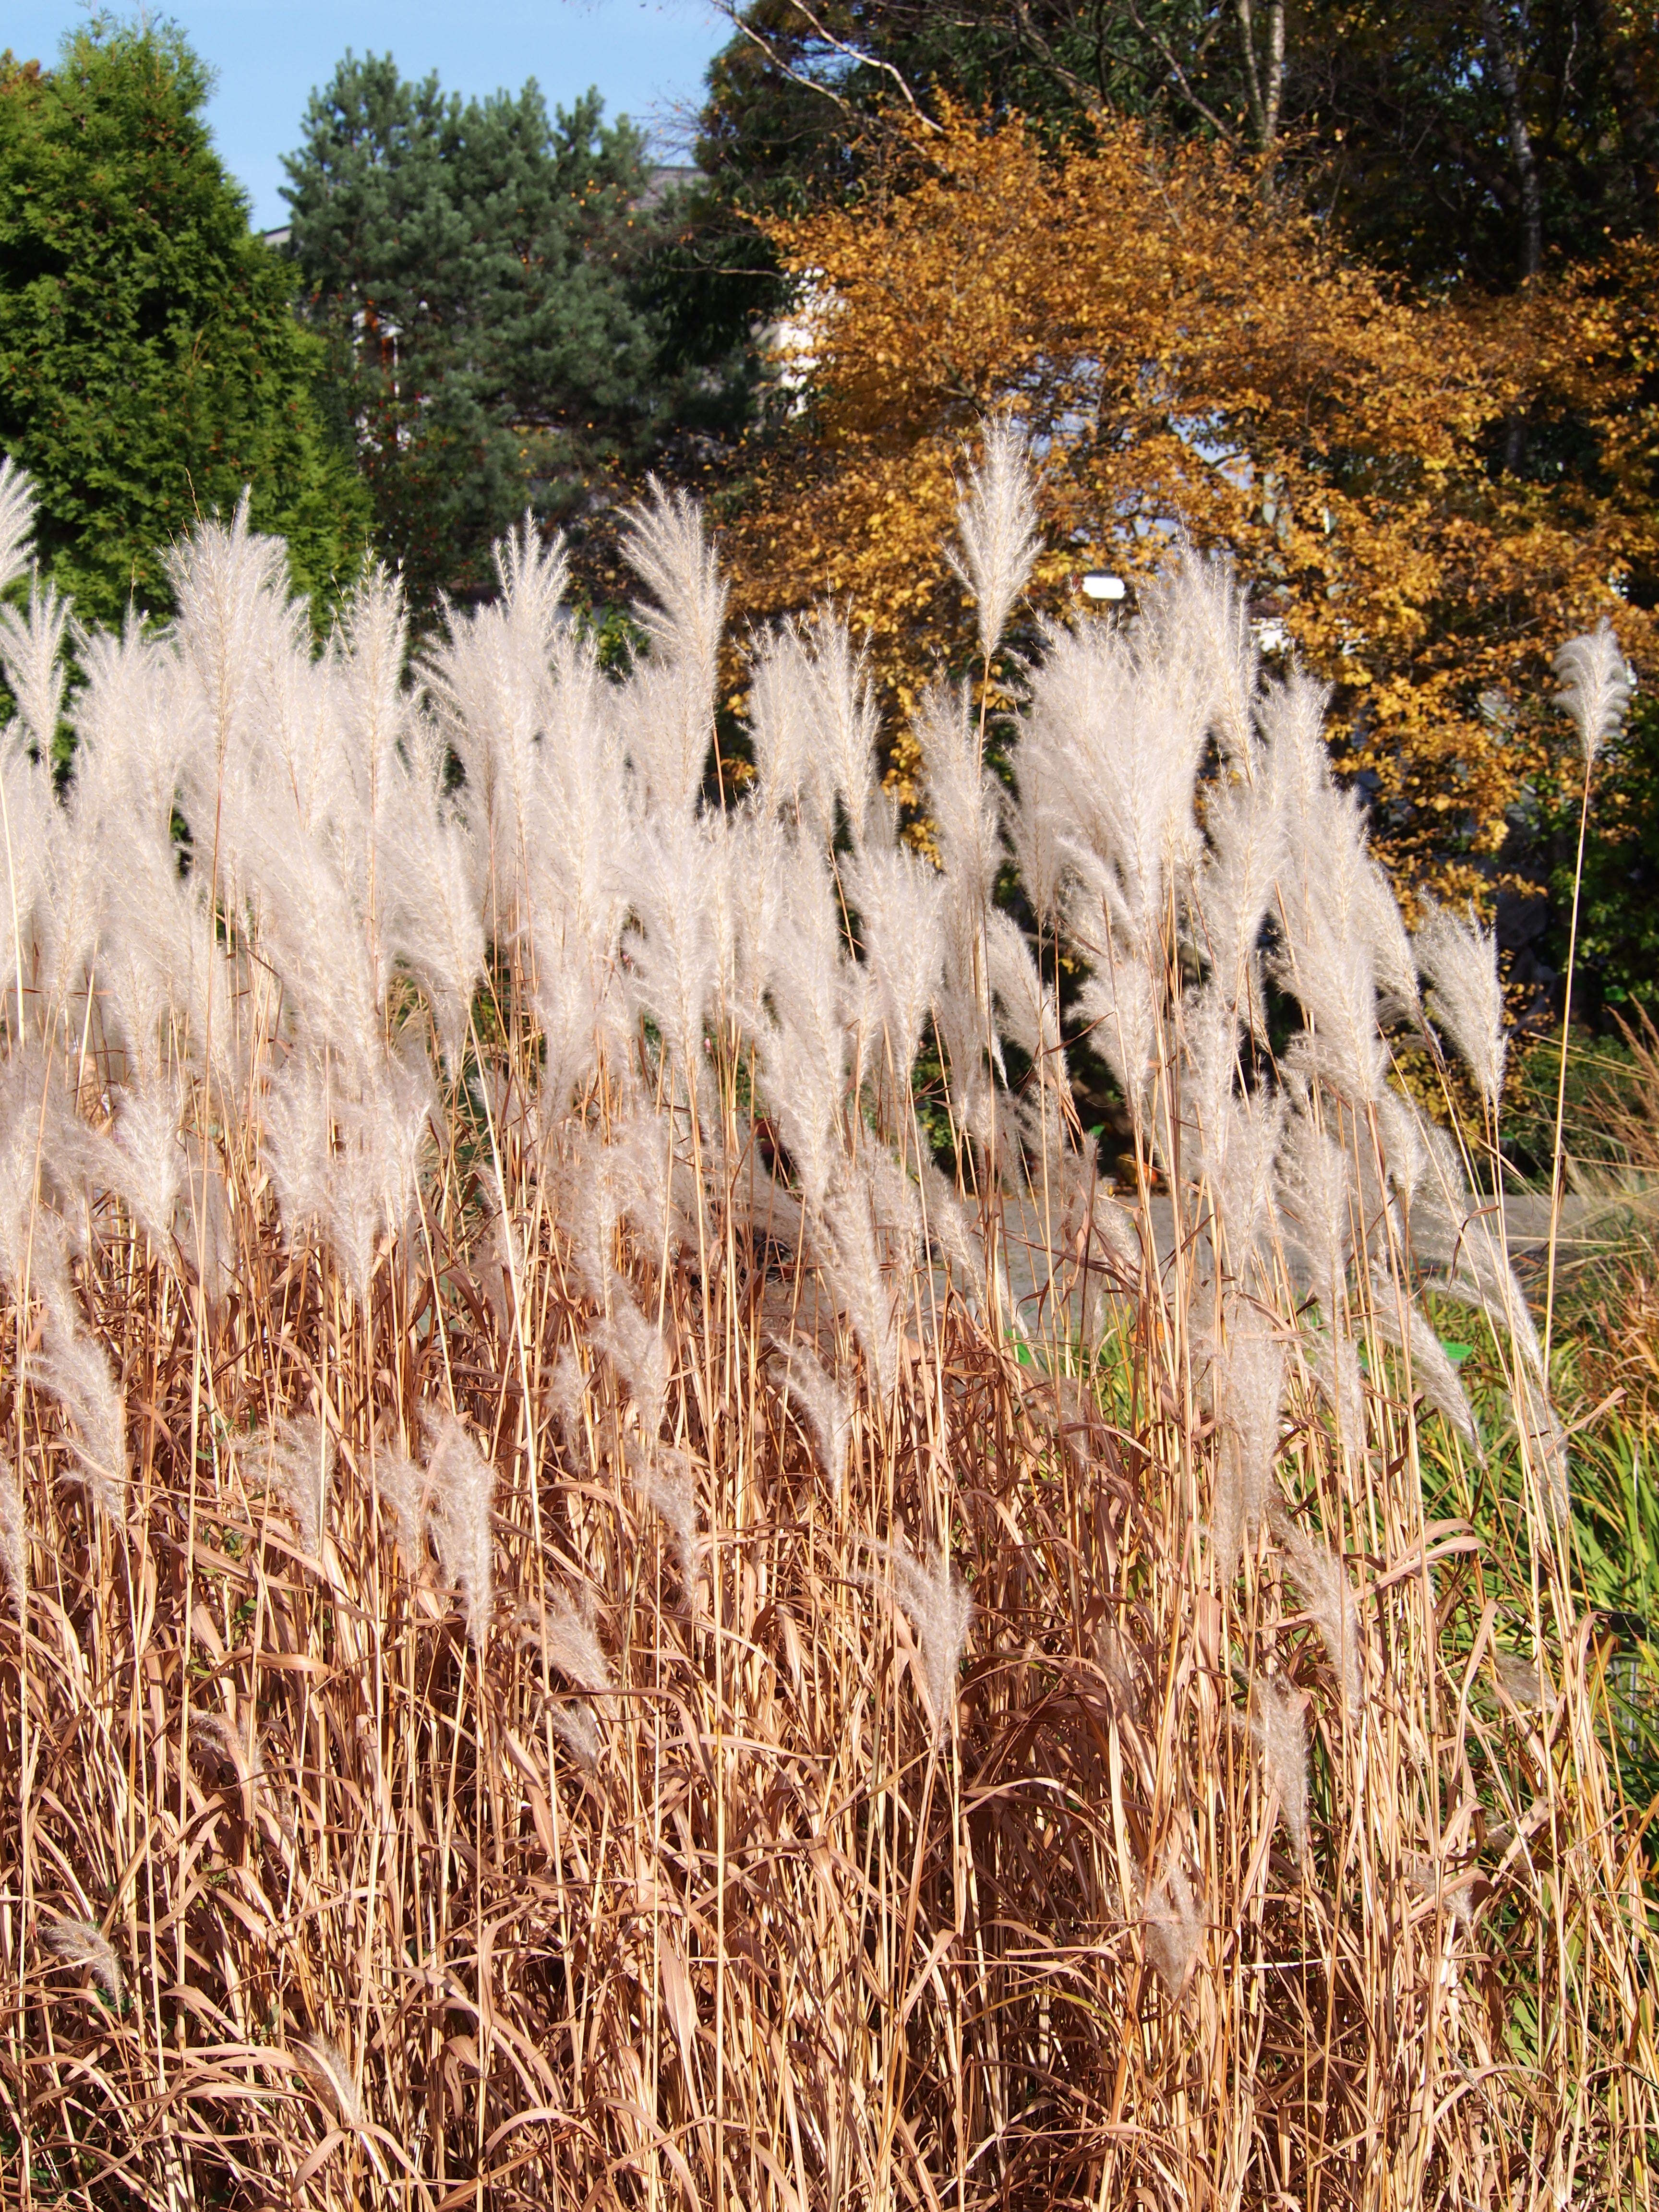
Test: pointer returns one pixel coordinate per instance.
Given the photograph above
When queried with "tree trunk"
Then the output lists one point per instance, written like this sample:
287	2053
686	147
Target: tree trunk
1521	148
1264	75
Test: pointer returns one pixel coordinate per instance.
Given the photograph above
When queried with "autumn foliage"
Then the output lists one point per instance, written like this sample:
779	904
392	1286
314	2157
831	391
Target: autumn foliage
1428	492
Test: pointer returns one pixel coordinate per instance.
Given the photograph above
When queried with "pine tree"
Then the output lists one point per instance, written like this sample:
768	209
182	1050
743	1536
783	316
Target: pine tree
475	268
151	365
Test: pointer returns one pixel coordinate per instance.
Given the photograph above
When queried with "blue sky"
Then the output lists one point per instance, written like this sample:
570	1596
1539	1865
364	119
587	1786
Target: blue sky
646	57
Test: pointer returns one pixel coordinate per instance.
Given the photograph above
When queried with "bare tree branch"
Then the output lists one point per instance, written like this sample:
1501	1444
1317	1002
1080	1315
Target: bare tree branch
1178	76
733	14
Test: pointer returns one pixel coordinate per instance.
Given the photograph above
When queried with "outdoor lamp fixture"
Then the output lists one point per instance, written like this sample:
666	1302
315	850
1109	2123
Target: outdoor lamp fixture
1097	584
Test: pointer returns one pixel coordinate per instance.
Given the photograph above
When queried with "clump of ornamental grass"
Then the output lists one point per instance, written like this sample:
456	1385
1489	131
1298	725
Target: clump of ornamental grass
771	1656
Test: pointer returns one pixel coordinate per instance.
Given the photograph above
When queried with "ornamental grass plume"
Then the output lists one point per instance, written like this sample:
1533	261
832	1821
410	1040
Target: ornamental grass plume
1595	686
294	1458
78	1944
328	2066
14	1537
1174	1930
473	1117
1279	1728
1460	960
825	1405
462	1489
997	517
940	1611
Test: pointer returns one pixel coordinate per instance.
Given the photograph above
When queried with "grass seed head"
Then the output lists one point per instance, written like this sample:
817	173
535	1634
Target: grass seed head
78	1944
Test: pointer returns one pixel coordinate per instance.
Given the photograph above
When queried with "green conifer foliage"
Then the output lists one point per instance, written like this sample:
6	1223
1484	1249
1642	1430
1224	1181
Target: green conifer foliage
475	268
151	365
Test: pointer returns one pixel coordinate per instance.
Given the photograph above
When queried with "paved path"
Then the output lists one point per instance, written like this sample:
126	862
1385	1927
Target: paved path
1526	1221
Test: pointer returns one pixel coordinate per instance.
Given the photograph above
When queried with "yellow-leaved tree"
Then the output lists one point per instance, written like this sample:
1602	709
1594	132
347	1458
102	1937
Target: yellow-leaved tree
1426	495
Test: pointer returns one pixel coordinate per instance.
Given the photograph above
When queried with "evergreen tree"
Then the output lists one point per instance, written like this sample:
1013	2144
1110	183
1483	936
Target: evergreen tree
478	271
151	365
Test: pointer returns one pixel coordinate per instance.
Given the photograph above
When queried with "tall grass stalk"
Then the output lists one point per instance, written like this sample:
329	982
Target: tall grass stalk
583	1628
1595	689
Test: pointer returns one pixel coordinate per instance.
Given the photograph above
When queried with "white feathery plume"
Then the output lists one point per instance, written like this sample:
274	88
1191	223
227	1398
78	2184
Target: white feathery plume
408	1492
1202	612
578	1731
1314	1206
1545	1442
675	956
761	867
780	723
296	1455
32	656
997	517
1239	1138
1460	961
1451	1231
464	1494
373	1175
1393	954
30	809
1595	686
146	1157
951	1229
534	573
1333	1362
1248	1384
895	1209
589	1210
803	1057
1116	731
1402	1140
1321	1578
842	724
962	802
567	1394
30	1112
299	1142
79	1943
1432	1372
72	1367
1279	1725
824	1405
16	520
637	1349
1030	1013
14	1527
1341	928
1173	1929
1234	888
491	693
429	894
666	1484
1119	1002
672	693
312	932
368	667
566	1012
655	1189
327	2067
68	912
127	737
900	901
941	1611
235	620
571	1643
851	1264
